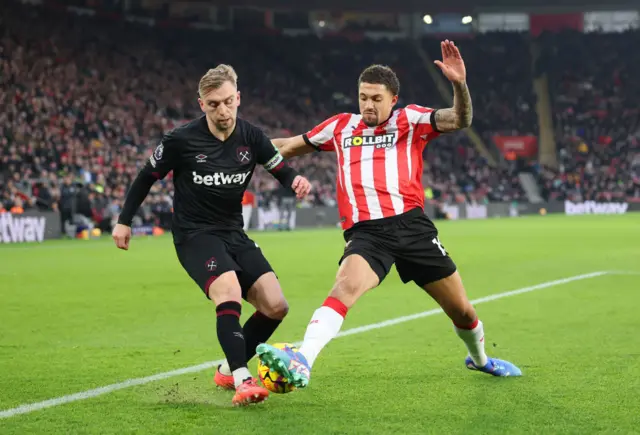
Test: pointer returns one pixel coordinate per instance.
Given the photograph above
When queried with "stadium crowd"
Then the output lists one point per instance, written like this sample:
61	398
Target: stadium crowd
596	116
83	100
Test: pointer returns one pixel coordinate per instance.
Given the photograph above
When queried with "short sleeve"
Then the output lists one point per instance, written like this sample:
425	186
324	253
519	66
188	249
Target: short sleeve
423	118
321	136
420	115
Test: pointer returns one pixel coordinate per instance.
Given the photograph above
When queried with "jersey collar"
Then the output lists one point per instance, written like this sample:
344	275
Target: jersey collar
205	128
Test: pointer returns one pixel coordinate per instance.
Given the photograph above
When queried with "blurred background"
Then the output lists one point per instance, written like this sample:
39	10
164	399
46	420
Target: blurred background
88	87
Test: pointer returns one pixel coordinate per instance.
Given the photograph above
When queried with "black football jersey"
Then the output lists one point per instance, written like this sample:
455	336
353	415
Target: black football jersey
210	175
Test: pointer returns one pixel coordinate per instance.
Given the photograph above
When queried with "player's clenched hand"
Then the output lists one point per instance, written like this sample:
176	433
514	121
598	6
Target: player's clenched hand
121	235
301	186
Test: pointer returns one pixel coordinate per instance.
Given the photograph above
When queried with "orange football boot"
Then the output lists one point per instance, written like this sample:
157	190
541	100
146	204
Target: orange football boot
224	381
249	392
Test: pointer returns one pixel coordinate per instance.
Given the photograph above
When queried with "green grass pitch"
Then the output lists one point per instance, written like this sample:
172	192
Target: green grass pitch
78	315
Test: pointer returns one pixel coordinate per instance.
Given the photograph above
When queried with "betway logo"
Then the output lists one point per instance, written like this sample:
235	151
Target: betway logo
18	229
220	178
592	207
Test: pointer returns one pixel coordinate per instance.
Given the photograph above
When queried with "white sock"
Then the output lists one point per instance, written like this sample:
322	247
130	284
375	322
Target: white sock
324	326
240	375
225	369
474	340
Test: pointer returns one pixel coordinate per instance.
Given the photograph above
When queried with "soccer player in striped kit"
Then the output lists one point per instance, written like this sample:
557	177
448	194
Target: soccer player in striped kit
381	205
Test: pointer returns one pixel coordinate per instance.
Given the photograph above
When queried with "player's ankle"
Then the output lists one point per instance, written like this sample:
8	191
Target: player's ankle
480	360
224	369
241	375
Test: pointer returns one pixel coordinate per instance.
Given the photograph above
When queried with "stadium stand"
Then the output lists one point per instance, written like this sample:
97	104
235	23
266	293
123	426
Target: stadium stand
84	99
596	116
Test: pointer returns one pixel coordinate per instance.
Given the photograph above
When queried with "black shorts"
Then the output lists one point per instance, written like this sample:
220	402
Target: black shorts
206	256
409	240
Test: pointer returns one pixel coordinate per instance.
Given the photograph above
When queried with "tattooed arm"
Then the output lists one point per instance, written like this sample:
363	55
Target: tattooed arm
460	115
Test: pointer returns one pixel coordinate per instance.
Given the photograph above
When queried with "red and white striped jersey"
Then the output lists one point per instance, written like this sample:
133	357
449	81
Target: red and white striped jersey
379	169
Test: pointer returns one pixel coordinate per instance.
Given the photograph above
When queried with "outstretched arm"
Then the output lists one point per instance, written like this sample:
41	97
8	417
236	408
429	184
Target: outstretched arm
460	115
270	157
292	146
319	138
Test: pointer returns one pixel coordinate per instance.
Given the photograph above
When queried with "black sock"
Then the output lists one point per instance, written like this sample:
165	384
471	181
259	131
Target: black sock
258	329
230	334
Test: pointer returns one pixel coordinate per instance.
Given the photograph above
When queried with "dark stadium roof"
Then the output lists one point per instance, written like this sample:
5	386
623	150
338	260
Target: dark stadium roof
442	6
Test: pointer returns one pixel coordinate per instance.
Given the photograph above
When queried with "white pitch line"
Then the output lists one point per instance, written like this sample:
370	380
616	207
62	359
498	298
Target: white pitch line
474	302
624	272
31	407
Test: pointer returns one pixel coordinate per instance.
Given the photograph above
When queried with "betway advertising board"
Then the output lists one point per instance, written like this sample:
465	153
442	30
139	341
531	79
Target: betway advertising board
593	207
29	227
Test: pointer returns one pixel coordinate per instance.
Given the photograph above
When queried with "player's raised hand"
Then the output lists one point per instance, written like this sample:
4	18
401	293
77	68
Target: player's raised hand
301	186
121	235
452	65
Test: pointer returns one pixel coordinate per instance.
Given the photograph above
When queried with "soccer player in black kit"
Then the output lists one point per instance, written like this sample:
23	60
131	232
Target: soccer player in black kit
212	159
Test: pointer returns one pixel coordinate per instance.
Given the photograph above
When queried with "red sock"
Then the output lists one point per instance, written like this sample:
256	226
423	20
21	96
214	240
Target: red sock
336	305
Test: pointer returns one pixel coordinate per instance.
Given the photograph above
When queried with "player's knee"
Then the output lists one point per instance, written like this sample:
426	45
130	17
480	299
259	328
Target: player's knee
225	288
278	310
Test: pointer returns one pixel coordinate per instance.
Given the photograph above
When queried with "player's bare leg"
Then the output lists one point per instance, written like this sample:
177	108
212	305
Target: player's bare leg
450	294
226	294
271	308
355	277
267	297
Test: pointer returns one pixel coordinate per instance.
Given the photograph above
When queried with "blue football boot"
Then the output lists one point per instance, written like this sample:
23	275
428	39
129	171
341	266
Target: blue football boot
288	363
495	367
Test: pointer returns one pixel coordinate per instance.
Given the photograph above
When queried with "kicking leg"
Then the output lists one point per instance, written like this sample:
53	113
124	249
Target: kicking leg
355	277
449	293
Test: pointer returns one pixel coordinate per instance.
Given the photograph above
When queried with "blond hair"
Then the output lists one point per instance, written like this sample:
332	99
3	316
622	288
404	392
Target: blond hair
216	77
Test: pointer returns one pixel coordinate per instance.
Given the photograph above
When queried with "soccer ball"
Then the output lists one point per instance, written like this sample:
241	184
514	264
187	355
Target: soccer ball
271	380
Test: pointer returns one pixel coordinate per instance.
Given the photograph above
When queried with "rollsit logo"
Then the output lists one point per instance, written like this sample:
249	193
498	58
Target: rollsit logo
387	141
